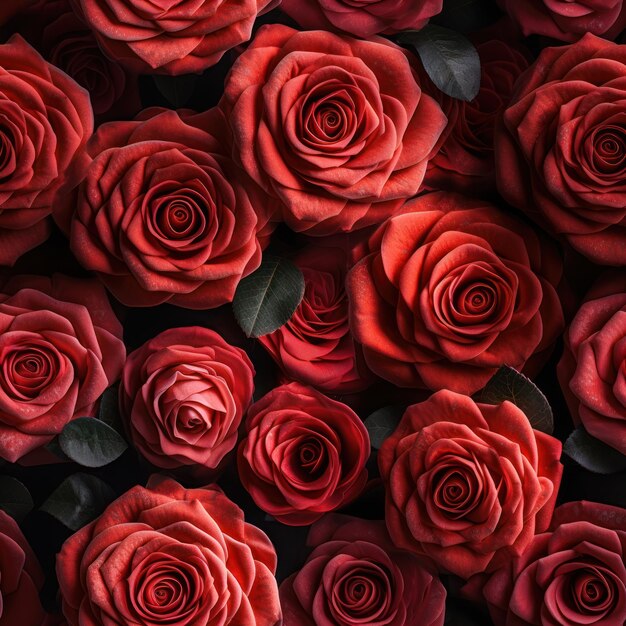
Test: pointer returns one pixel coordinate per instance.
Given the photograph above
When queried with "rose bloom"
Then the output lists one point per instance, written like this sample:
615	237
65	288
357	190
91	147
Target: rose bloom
453	288
161	214
303	455
561	151
592	370
183	395
362	18
573	575
175	38
21	580
465	161
468	484
336	128
315	346
47	118
169	555
356	576
567	20
60	348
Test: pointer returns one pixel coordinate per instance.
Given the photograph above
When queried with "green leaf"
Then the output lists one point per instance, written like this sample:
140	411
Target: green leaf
177	90
15	499
381	423
449	58
109	411
78	500
267	298
592	454
91	443
509	384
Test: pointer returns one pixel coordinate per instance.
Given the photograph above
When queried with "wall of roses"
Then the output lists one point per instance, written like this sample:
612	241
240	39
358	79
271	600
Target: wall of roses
312	313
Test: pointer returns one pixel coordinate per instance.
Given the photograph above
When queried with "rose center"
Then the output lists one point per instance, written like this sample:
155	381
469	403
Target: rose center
456	491
362	592
609	149
7	153
592	591
312	456
29	369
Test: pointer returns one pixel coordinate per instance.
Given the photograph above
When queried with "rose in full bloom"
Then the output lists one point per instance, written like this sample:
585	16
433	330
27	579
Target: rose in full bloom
60	348
592	370
170	37
169	555
567	20
336	128
574	575
561	150
362	18
356	576
47	119
468	484
183	395
453	288
315	346
21	579
162	214
303	455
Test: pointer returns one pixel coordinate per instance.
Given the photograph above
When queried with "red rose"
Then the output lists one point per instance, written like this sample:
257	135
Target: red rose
169	555
452	289
574	575
183	395
362	18
304	454
60	348
567	20
315	346
592	370
47	118
336	128
468	484
21	579
356	576
561	151
161	214
180	37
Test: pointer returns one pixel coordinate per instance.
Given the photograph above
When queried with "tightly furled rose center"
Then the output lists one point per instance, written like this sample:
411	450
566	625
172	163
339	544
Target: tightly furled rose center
457	489
181	215
608	149
8	157
593	590
28	369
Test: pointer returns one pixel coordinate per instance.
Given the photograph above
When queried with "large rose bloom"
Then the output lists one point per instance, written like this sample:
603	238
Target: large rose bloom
356	576
574	575
169	555
468	484
183	395
561	151
60	348
452	289
336	128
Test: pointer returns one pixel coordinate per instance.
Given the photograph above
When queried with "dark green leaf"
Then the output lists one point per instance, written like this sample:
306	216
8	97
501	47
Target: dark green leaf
178	90
91	443
267	299
593	454
381	423
449	58
54	448
15	499
78	500
509	384
109	411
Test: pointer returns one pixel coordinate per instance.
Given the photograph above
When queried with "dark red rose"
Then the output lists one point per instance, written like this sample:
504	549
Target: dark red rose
21	579
567	20
171	37
315	346
183	395
574	575
161	214
561	151
453	288
362	18
60	348
592	370
169	555
303	455
336	128
46	120
468	484
356	576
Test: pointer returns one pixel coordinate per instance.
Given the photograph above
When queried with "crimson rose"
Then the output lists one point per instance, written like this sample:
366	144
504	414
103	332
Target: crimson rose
468	484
